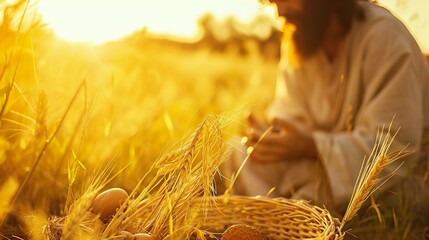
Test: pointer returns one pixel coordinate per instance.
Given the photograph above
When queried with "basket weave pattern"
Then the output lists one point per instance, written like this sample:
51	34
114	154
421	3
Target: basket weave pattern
276	218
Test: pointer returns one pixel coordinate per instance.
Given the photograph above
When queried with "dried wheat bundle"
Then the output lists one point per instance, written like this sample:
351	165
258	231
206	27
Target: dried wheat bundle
162	207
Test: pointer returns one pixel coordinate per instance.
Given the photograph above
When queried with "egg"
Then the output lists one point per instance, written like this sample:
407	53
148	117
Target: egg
242	232
107	202
125	233
143	236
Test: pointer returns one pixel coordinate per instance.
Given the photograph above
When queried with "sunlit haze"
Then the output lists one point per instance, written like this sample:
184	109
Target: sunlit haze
99	20
414	14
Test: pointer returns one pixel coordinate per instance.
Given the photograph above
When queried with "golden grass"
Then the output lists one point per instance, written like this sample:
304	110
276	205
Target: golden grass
127	112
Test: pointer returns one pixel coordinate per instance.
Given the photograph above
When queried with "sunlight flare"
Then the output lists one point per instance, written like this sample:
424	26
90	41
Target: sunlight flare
99	21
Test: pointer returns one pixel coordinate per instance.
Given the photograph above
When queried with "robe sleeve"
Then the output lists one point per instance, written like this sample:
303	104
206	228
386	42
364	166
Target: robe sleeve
392	89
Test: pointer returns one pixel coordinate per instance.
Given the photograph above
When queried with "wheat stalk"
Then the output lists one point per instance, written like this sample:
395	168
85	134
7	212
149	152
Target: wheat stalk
9	90
173	168
76	215
45	146
369	175
163	206
192	180
40	129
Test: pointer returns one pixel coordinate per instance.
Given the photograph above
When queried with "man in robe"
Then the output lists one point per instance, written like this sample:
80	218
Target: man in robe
348	70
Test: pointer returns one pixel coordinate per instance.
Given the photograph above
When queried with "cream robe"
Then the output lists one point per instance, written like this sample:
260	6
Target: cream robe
380	75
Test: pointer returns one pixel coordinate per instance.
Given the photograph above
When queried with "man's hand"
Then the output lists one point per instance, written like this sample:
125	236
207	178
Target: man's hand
282	141
255	130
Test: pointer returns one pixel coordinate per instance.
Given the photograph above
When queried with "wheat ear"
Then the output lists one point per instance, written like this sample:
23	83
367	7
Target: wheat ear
369	175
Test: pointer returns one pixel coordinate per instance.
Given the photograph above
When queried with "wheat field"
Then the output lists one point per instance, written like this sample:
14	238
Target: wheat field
79	118
70	111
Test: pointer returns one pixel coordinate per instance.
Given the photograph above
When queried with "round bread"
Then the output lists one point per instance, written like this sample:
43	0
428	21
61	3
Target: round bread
242	232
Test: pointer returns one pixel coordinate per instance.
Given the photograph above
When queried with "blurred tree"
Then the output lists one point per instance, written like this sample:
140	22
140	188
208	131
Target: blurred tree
230	34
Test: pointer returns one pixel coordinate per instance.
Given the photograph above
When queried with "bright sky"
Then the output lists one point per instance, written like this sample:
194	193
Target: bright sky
414	14
103	20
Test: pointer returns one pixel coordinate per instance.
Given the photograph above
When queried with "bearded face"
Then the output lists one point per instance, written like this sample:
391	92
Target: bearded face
310	18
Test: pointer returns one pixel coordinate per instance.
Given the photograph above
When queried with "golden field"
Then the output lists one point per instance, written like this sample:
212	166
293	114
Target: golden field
68	109
72	111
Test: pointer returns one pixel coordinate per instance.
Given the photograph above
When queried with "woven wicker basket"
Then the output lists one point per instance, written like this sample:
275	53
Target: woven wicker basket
276	218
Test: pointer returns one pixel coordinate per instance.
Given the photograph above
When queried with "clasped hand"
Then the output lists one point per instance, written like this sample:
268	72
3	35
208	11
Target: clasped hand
280	141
